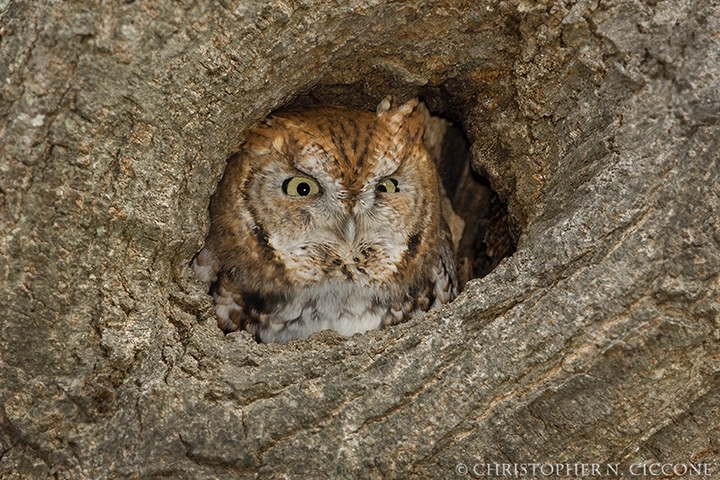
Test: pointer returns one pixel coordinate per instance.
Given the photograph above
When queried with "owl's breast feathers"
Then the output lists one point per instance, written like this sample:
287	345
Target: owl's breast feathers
344	306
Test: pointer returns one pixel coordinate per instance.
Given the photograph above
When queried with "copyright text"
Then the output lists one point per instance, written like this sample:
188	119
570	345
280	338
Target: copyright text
584	469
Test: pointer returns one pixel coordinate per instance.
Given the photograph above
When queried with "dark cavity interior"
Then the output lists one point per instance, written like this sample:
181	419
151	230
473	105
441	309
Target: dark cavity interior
486	239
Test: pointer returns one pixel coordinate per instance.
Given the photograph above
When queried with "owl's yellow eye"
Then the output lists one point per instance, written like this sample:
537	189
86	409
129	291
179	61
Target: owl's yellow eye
388	185
300	187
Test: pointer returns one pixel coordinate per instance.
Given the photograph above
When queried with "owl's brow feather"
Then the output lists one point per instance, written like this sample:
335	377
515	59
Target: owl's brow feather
344	142
345	135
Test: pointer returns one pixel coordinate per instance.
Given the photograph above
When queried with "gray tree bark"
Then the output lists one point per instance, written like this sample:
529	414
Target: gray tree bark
598	341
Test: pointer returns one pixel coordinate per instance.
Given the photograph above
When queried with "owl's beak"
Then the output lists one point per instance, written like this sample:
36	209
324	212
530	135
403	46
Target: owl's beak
349	229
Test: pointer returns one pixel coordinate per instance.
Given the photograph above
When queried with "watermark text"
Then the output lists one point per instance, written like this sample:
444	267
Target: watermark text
589	470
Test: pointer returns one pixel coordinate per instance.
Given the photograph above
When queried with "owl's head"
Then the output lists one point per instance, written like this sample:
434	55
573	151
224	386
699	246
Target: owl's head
330	194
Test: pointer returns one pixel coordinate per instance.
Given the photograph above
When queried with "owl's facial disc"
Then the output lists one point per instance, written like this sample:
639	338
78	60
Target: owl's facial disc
346	229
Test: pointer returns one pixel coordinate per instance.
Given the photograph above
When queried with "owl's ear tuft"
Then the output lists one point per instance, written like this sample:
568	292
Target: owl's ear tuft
407	108
268	136
258	140
387	107
408	119
384	106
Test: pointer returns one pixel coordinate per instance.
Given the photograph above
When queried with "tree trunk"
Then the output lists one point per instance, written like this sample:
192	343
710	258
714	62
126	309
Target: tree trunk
597	342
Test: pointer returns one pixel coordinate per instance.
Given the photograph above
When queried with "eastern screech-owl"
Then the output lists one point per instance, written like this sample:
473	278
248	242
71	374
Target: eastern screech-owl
328	218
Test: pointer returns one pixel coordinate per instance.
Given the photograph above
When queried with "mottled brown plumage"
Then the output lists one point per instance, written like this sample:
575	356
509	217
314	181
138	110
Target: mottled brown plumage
328	218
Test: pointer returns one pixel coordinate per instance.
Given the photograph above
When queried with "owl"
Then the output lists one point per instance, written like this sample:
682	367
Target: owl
328	218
